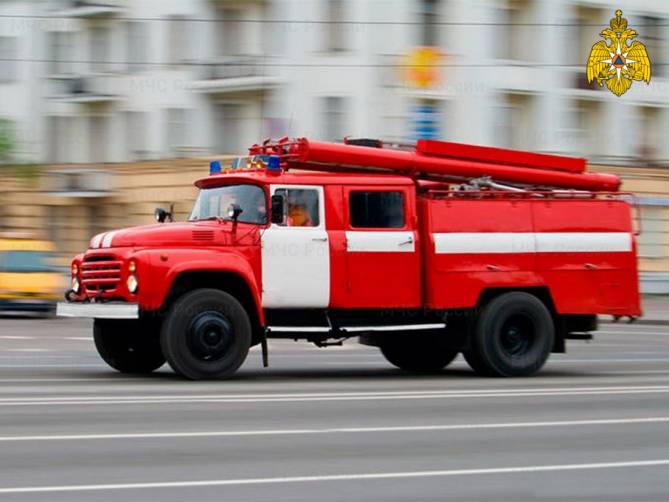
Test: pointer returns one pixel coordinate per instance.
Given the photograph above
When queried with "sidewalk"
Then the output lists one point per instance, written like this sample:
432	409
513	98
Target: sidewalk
655	311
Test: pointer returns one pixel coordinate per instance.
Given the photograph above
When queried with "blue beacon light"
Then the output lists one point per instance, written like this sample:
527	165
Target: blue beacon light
214	167
274	163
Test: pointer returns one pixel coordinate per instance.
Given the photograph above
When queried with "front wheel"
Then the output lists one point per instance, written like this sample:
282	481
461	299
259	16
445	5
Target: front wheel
129	346
418	353
207	334
513	336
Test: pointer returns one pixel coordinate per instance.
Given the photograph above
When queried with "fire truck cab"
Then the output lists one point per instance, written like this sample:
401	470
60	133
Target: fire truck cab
425	253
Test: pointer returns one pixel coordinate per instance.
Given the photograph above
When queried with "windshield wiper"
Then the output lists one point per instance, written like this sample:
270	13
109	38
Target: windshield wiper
219	219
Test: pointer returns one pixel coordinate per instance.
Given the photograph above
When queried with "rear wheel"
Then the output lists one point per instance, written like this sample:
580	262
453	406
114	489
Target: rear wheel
129	346
513	336
207	334
418	353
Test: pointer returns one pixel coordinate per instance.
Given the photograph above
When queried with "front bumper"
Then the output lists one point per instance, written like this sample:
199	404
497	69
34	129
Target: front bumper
98	310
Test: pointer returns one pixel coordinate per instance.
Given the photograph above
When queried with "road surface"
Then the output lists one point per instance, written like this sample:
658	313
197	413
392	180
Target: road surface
332	424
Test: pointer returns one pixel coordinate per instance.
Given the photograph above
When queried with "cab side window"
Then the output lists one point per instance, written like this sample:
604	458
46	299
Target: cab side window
376	209
302	208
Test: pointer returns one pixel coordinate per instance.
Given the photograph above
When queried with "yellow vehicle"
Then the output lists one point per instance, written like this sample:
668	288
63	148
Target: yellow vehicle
29	279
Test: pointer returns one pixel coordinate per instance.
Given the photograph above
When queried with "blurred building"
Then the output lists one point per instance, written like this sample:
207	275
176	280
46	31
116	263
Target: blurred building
88	83
121	80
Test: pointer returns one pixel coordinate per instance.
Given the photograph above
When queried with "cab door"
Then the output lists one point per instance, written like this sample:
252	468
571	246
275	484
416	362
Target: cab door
382	248
296	253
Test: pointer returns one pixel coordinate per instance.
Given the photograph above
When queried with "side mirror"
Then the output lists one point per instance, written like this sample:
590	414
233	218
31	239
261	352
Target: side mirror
234	211
278	209
162	215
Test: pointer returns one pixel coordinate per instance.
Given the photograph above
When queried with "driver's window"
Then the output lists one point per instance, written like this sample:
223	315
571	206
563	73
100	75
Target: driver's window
300	207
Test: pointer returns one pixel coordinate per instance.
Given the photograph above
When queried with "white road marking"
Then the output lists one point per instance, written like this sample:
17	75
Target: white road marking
338	477
119	379
342	430
612	360
16	337
333	396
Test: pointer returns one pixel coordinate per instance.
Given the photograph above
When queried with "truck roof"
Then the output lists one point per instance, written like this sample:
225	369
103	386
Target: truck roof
297	177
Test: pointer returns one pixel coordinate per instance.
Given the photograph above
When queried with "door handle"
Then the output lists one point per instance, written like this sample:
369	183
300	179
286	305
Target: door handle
591	266
407	242
320	239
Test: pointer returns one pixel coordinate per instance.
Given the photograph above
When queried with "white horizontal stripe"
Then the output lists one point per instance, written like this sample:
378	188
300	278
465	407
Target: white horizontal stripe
339	477
401	327
584	242
529	242
472	243
340	430
380	242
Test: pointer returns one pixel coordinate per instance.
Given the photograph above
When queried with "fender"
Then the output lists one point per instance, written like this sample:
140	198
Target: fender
167	265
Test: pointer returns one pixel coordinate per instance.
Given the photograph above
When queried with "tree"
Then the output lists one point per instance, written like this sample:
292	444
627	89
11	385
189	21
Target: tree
6	141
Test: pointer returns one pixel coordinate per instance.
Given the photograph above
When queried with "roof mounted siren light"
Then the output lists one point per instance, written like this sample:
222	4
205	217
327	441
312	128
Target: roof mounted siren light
214	167
274	164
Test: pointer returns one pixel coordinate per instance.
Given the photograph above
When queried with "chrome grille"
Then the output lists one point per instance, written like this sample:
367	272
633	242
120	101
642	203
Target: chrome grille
101	273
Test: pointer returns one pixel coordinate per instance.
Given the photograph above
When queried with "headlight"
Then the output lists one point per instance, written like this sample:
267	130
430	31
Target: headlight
132	283
75	284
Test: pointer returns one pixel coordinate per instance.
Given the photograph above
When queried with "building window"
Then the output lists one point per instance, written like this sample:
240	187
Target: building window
333	117
429	16
230	41
100	49
60	53
651	36
98	138
335	32
138	44
178	137
59	149
136	127
513	40
376	209
228	122
180	35
8	59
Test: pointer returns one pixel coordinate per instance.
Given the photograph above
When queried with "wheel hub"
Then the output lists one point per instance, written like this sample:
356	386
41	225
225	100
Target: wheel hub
210	336
517	336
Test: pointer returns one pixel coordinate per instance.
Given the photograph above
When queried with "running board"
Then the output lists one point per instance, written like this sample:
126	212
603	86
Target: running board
355	329
298	329
397	327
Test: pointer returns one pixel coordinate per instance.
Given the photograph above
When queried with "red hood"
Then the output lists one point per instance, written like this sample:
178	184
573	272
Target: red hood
169	234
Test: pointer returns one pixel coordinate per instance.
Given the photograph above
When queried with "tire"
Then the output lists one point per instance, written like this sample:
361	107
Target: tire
418	353
129	346
207	335
513	336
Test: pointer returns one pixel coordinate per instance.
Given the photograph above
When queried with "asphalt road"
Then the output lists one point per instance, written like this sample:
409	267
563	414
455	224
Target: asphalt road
332	424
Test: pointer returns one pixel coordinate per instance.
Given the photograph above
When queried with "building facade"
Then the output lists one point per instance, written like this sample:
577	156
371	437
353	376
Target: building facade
91	83
94	81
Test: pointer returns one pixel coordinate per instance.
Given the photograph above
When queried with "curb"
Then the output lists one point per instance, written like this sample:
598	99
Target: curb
644	322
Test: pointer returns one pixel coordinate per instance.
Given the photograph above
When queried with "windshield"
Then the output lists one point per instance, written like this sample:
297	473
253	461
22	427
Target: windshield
216	202
26	261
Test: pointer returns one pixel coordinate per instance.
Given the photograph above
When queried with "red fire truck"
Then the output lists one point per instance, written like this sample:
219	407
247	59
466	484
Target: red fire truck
425	251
